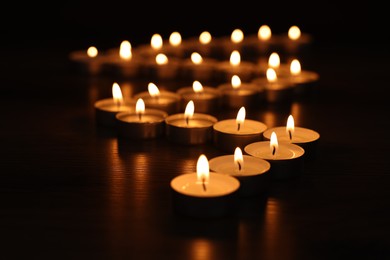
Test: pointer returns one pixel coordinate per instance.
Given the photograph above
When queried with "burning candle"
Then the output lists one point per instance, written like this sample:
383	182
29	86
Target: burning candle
237	94
190	128
162	67
204	194
304	137
203	44
244	69
206	99
106	109
141	123
252	172
286	159
89	61
261	43
198	68
232	133
163	100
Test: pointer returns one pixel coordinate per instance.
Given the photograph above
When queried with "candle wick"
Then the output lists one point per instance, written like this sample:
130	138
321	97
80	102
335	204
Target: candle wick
290	134
204	184
238	126
187	120
140	116
273	150
239	165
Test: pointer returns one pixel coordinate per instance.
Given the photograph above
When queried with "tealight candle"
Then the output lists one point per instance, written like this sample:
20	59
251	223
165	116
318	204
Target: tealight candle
162	67
106	109
237	94
276	90
204	194
123	62
252	172
164	100
174	48
233	42
190	128
286	159
304	137
88	60
235	66
141	123
206	99
150	51
294	41
203	44
261	43
232	133
198	68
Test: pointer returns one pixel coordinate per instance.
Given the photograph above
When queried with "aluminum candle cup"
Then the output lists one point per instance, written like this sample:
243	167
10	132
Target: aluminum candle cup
197	130
286	164
253	175
166	101
151	124
304	137
279	91
106	110
207	101
218	200
88	61
227	136
246	94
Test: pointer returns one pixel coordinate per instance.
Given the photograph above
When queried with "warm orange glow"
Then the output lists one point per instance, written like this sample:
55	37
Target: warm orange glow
290	126
161	59
140	106
175	39
273	144
238	158
125	50
189	111
196	58
271	75
92	52
237	36
295	67
236	81
153	90
202	169
235	58
156	42
117	94
197	87
205	37
274	60
264	33
294	33
240	117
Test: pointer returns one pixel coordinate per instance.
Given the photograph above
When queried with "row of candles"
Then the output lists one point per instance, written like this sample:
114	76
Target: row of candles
276	153
186	116
203	59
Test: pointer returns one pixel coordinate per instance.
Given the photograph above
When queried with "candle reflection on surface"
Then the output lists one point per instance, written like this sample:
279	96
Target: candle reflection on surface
201	249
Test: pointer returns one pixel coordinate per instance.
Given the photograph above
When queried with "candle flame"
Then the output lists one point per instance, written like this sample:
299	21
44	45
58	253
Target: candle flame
271	75
264	33
202	169
237	36
240	117
236	81
235	58
273	144
175	39
238	158
196	58
153	90
290	126
117	94
295	67
161	59
125	50
205	37
140	107
156	42
189	111
197	87
274	60
92	51
294	33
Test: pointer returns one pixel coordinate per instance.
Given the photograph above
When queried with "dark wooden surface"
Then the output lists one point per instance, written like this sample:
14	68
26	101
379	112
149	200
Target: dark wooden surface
72	190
